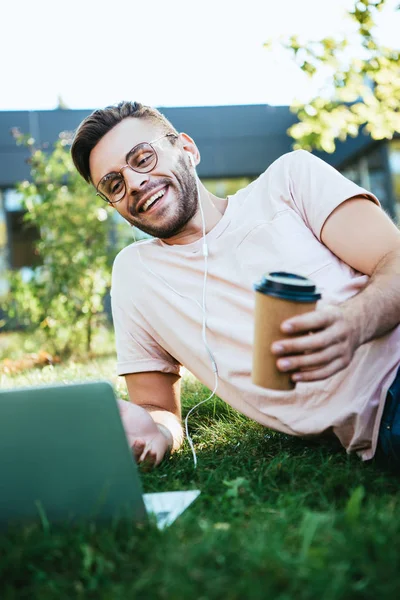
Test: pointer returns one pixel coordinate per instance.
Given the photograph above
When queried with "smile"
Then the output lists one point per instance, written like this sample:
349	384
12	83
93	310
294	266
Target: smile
152	200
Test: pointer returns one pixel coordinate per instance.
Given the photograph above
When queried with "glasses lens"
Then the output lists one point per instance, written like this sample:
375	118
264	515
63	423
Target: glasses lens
143	158
112	186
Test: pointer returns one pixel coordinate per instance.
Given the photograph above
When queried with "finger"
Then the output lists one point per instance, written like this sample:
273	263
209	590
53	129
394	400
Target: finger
322	373
148	455
138	447
144	453
311	321
308	343
149	461
314	359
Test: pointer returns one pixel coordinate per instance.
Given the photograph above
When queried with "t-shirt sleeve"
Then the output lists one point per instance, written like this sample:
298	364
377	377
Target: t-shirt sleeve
316	188
137	350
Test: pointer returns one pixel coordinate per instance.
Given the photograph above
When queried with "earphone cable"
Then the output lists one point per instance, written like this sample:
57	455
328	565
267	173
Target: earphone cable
203	309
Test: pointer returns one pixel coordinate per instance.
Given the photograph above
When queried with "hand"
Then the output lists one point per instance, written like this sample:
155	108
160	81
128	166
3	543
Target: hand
149	441
328	350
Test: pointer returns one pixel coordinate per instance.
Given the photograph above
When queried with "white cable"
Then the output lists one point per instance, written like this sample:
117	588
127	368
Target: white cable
204	315
204	328
189	439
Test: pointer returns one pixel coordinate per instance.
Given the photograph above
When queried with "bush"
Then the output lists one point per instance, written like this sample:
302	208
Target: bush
65	295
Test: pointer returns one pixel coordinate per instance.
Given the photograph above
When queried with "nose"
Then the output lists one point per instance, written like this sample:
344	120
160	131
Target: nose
134	181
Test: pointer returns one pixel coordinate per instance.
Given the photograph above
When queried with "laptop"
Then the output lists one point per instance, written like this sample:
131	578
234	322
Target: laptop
64	457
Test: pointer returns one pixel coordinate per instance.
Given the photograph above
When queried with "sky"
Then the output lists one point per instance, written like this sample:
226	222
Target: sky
93	53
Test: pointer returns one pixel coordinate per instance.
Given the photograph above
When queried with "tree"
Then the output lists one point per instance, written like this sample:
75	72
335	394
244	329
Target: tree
362	91
65	295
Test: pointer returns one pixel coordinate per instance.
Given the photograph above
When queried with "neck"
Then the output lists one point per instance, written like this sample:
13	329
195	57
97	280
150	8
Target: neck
213	209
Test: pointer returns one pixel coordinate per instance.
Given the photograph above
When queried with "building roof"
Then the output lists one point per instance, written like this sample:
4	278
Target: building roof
233	140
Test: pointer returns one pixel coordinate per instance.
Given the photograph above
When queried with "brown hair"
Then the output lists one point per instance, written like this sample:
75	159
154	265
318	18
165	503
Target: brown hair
101	121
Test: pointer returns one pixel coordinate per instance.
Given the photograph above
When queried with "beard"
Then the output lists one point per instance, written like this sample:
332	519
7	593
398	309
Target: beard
185	208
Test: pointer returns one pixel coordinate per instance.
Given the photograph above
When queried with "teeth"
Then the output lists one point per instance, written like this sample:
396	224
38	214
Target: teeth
152	199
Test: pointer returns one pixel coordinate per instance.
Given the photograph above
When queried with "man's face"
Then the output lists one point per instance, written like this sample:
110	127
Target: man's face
172	179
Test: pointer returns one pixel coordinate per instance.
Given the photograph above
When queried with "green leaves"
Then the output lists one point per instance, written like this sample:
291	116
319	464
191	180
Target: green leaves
65	295
361	90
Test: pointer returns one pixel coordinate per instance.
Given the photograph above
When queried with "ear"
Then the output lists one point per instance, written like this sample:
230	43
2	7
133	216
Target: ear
189	146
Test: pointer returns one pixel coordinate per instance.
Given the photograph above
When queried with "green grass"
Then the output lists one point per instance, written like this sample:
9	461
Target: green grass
277	518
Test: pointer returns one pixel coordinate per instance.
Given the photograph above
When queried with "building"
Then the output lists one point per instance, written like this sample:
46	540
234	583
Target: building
237	143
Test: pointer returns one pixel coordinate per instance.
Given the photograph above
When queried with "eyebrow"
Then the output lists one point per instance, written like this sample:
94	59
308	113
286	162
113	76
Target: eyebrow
134	148
126	156
109	174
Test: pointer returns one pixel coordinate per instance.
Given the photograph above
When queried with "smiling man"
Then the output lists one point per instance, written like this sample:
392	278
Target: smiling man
300	216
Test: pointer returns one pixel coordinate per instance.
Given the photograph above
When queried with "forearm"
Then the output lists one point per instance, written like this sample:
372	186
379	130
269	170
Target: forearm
170	422
376	310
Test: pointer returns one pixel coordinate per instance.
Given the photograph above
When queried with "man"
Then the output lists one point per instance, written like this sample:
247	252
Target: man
299	216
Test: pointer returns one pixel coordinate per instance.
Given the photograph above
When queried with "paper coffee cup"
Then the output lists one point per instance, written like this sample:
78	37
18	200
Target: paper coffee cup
279	296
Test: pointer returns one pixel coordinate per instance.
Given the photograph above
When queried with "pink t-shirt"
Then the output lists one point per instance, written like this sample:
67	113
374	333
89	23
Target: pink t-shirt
274	224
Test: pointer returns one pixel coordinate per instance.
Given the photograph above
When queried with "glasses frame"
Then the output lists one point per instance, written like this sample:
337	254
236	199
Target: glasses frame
103	196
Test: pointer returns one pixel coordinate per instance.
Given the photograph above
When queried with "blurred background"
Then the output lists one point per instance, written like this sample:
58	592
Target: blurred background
248	81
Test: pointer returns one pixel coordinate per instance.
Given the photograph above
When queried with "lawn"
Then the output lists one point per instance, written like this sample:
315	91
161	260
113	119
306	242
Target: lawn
277	518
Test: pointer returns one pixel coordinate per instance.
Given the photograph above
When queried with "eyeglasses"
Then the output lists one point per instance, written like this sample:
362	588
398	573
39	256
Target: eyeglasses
143	158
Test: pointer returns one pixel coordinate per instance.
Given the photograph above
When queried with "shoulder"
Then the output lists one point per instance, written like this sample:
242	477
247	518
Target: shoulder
128	263
275	178
302	159
292	159
303	168
130	254
278	174
287	164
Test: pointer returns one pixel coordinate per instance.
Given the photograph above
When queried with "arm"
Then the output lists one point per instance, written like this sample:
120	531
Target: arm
152	417
152	420
375	251
361	235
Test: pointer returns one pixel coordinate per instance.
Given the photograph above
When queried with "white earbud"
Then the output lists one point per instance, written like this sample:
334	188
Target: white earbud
191	160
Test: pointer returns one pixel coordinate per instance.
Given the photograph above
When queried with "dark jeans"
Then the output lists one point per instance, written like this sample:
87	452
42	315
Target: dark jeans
388	449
